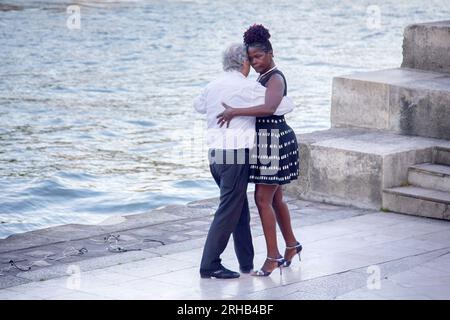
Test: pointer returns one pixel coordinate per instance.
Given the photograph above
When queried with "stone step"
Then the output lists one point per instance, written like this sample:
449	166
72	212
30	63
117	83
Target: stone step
430	176
426	46
441	156
352	166
401	100
417	201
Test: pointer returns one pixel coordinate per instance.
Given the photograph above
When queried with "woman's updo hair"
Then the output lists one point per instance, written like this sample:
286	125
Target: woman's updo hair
257	36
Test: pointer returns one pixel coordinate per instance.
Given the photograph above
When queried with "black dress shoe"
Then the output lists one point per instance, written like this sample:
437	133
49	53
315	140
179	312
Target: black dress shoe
222	273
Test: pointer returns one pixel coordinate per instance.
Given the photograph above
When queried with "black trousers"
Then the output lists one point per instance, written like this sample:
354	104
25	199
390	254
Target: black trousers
232	215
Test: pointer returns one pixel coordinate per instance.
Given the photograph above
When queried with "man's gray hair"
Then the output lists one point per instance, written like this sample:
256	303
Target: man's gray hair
234	57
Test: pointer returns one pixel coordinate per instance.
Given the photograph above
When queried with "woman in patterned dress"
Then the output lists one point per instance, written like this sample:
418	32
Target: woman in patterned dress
276	154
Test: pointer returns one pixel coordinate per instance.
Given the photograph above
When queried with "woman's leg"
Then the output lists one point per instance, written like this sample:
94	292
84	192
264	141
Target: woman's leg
264	195
283	217
284	221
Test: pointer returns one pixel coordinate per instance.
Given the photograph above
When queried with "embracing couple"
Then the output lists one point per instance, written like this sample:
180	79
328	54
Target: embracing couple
249	141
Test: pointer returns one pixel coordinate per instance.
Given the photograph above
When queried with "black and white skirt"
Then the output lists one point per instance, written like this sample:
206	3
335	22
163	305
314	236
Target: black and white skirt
275	156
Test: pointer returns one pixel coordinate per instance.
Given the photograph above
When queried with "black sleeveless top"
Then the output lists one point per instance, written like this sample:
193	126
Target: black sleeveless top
263	80
276	147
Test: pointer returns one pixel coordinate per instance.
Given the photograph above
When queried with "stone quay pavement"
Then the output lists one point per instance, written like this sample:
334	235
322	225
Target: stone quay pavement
348	253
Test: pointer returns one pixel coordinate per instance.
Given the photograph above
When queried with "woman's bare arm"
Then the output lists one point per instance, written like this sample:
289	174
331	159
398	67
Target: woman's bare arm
273	97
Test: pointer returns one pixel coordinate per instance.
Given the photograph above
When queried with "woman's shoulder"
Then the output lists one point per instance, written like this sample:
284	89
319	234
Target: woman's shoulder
276	77
278	81
279	73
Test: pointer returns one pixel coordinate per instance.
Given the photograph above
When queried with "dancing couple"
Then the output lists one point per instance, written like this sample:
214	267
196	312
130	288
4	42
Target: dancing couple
249	141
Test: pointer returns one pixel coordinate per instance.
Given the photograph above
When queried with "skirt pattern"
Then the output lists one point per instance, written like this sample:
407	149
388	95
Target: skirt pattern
275	157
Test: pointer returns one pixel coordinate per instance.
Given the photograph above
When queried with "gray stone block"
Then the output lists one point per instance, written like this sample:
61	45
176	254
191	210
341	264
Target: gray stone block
355	101
430	176
360	183
418	201
62	270
404	101
352	169
24	240
398	164
441	156
72	232
420	111
7	281
426	46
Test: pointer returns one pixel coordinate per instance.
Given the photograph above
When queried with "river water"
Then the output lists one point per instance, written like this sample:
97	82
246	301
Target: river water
97	121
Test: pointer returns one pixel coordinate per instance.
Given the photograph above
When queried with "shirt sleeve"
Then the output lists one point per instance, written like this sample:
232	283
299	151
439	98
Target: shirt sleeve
286	105
200	102
259	97
258	94
250	95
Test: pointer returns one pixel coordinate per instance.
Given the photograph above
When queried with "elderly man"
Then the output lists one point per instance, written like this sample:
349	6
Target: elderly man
229	150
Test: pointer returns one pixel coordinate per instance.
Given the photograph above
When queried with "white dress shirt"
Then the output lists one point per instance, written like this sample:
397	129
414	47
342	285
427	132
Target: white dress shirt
234	89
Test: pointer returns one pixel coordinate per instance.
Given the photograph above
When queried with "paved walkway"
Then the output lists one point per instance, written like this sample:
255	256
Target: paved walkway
348	254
